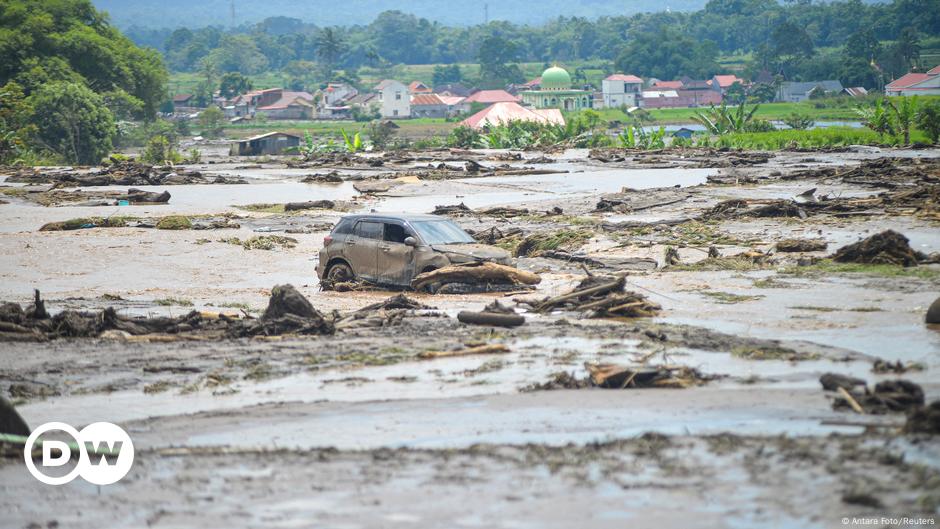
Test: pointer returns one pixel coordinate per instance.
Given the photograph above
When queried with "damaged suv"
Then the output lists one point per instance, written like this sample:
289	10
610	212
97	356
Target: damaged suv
393	249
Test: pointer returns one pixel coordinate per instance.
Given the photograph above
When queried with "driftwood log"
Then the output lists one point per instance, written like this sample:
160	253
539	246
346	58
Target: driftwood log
473	273
478	350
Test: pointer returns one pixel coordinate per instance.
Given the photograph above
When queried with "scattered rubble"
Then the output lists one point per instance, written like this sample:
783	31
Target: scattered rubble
118	173
288	312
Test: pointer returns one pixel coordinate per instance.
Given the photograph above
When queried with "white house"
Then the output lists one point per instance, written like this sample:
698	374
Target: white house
394	99
621	90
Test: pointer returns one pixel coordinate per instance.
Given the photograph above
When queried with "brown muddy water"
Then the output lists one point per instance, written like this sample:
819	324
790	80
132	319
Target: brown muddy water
354	430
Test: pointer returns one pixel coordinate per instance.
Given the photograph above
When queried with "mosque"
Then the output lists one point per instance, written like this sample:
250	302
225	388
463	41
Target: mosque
556	92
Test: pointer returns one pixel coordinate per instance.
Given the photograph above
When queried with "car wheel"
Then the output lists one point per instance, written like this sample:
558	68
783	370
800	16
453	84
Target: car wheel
338	273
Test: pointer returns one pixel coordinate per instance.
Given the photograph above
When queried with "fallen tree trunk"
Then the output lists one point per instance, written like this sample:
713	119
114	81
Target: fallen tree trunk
482	272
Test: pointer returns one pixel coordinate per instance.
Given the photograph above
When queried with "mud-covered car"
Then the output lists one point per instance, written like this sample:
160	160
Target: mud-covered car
392	249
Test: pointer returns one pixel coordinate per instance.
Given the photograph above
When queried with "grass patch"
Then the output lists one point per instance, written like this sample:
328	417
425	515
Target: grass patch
728	298
263	208
178	302
14	191
813	308
174	222
770	282
828	266
157	387
770	353
234	305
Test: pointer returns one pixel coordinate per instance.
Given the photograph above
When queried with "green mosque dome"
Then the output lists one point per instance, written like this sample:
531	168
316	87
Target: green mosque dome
556	78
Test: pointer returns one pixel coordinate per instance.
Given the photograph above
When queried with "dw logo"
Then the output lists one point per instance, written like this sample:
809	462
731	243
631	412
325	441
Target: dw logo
105	453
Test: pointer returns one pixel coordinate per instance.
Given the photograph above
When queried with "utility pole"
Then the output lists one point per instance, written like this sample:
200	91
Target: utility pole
486	13
232	11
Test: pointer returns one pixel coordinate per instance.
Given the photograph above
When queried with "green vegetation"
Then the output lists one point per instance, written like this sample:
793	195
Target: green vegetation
828	267
727	298
803	139
724	120
174	222
170	302
160	151
65	77
262	242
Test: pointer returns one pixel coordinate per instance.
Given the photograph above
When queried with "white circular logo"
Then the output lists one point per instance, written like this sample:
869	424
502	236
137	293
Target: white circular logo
105	453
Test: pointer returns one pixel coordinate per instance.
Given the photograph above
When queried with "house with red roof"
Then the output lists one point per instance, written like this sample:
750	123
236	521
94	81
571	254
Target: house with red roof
620	90
428	106
721	83
506	112
666	85
489	97
915	83
417	87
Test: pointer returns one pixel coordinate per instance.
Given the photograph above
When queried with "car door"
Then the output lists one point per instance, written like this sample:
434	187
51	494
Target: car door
395	258
362	248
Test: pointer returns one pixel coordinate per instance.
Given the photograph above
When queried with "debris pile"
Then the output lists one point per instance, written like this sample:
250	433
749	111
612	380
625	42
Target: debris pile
474	277
888	172
493	314
599	297
10	420
887	247
288	312
888	396
118	173
382	314
610	376
631	200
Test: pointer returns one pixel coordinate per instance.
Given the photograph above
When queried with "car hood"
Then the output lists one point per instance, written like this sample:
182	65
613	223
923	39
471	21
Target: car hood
467	252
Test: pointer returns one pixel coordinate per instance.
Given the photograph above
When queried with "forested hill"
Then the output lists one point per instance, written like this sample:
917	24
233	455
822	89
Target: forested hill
187	13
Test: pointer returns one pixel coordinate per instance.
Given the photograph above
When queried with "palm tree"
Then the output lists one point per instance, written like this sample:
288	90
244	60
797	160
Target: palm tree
329	47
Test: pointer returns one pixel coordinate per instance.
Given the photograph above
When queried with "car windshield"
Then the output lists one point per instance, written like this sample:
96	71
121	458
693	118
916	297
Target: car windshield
441	232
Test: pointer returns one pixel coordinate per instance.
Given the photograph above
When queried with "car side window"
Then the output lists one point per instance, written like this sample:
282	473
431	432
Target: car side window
343	228
395	233
369	230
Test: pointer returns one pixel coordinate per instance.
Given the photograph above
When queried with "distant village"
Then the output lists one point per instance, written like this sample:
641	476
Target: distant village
543	99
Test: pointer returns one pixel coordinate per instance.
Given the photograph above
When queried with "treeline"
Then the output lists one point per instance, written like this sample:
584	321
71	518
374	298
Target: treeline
67	77
798	39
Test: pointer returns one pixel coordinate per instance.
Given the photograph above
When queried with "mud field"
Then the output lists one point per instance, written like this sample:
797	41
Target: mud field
746	264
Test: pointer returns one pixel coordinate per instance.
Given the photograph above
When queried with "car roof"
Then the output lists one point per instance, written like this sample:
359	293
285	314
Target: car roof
407	217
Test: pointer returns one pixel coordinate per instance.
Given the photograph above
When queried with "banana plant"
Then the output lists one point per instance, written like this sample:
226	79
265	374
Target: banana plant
354	143
904	113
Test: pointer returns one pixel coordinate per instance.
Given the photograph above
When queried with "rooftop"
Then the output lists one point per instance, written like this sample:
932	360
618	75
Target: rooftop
625	78
492	96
